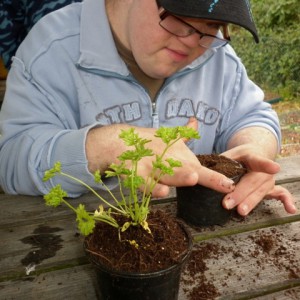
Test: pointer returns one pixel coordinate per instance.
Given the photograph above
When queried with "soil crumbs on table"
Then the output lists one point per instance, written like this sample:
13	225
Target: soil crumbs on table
195	269
266	248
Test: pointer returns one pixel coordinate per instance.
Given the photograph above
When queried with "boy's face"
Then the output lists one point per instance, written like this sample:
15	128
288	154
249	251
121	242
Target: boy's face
159	53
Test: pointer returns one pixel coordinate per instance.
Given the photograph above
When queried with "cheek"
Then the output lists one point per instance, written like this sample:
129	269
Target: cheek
147	53
146	44
144	36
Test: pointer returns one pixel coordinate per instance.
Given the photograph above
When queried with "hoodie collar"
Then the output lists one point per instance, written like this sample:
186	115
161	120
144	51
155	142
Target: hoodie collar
97	47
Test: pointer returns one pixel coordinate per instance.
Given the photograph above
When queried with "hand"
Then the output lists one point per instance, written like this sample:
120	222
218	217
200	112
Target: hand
256	185
192	172
103	148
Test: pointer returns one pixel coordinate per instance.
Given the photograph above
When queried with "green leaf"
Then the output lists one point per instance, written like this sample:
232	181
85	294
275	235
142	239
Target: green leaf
117	170
97	177
166	169
167	134
163	167
135	155
174	163
188	133
86	223
52	172
55	196
131	138
133	182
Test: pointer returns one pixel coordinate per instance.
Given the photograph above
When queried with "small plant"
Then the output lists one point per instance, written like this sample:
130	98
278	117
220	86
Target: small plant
133	207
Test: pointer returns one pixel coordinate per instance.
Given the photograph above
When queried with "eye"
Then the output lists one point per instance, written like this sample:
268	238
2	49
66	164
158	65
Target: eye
191	31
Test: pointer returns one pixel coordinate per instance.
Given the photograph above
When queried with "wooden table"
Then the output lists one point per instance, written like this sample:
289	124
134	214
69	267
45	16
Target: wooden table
41	254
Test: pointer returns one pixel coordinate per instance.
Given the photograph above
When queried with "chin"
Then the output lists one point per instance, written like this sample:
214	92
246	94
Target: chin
161	74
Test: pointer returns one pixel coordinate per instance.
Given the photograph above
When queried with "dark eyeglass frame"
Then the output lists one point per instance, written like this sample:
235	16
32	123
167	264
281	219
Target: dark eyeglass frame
164	14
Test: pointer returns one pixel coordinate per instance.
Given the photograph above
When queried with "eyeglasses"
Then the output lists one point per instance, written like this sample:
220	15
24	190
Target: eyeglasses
180	28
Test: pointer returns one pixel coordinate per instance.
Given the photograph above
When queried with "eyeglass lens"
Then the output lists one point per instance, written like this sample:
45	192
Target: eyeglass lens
181	29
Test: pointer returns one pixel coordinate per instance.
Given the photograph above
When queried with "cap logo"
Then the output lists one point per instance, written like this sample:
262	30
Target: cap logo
212	6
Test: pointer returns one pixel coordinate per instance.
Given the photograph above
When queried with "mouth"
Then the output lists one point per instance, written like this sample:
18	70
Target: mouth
176	55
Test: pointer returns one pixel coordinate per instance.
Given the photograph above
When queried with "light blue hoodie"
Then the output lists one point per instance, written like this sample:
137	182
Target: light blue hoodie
67	77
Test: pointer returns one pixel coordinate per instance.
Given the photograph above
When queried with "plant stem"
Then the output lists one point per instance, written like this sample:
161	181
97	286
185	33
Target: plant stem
93	191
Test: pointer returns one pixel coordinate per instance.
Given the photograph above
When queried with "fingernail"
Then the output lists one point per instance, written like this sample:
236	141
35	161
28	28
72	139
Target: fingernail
228	183
294	208
244	209
229	203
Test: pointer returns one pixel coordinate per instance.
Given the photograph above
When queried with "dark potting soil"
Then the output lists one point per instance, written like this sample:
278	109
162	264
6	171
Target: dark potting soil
164	247
222	164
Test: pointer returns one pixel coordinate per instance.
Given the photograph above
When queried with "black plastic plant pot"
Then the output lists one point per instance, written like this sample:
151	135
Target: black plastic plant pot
200	206
159	285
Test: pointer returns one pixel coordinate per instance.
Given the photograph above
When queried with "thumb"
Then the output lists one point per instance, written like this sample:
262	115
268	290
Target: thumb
192	123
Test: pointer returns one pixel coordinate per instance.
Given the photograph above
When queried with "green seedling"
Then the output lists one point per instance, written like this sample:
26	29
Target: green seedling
134	206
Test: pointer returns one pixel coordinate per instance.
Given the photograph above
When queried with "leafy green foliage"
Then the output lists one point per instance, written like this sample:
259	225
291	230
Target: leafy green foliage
52	172
134	208
275	62
55	196
86	222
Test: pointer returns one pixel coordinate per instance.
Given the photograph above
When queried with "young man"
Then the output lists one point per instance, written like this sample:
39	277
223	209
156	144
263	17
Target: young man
89	70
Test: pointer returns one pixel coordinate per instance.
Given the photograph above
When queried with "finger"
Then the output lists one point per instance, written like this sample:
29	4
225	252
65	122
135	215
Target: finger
160	191
183	177
188	177
283	195
249	192
192	123
215	180
245	207
259	164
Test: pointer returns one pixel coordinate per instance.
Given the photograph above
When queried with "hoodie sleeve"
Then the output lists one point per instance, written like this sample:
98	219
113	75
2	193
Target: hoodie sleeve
245	107
37	131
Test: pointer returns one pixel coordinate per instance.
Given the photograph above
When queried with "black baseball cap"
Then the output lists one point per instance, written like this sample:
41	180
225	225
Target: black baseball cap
229	11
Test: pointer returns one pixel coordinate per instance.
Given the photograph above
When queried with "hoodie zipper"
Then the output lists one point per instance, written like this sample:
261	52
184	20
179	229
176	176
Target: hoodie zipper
155	119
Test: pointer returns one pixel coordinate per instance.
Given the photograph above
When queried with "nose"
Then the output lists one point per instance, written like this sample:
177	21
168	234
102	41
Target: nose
192	41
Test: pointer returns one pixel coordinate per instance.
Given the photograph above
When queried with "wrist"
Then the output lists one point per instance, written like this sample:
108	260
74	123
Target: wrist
102	147
255	140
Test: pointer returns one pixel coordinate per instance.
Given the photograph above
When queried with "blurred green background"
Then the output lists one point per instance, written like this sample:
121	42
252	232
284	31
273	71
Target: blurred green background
274	63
